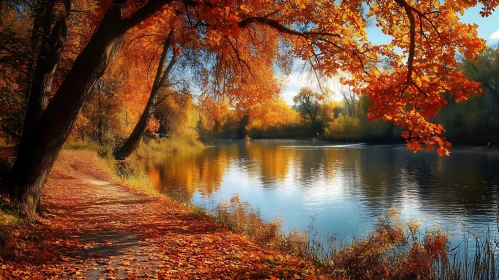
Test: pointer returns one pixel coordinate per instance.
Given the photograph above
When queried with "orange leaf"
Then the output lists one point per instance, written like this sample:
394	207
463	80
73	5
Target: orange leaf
443	152
409	146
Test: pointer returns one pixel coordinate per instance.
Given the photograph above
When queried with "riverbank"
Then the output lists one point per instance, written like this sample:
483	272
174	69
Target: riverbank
97	224
94	227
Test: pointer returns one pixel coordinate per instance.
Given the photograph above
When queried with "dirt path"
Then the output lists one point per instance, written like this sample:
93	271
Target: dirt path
103	230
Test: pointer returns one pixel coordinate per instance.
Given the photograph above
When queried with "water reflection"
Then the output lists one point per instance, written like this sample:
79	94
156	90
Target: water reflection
182	176
344	187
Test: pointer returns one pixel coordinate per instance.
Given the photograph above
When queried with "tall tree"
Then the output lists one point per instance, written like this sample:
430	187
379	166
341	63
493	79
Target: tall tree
40	147
308	103
160	80
485	70
350	99
52	43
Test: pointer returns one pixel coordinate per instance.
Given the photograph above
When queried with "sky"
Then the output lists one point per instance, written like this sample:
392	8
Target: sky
488	29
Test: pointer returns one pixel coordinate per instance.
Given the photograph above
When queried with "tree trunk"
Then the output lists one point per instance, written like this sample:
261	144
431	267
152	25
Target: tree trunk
133	141
39	150
42	24
46	65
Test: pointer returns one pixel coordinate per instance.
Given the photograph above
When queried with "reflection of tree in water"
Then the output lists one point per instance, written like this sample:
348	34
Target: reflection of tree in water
342	164
269	162
302	164
464	184
181	175
310	163
380	178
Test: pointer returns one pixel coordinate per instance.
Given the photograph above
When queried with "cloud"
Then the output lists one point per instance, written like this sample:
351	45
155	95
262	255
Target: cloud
495	35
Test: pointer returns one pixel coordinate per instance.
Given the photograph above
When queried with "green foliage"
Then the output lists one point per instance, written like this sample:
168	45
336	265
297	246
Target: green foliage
476	121
345	126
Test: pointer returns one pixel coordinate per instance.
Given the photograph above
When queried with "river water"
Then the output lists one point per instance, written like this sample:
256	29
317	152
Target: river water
341	189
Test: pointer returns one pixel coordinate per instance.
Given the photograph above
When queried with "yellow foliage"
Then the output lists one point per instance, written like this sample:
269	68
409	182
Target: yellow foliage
342	125
272	113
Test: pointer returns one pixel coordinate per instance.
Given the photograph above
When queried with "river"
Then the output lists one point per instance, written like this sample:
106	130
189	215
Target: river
340	189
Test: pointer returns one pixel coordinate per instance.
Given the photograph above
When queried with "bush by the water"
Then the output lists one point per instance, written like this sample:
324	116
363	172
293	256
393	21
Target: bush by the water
393	250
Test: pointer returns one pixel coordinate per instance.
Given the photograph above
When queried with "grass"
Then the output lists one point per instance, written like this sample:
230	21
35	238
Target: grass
130	171
8	219
78	144
150	149
239	217
392	250
173	145
133	175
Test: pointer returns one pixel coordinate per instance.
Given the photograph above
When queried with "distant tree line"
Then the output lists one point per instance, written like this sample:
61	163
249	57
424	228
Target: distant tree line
317	115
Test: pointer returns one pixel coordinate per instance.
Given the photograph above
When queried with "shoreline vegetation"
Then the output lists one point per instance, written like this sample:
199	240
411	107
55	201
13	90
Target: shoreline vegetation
394	249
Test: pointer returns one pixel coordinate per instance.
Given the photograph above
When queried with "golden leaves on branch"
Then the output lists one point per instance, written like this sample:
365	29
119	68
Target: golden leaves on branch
406	79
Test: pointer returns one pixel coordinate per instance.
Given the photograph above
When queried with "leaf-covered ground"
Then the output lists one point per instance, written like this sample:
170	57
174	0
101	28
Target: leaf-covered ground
97	229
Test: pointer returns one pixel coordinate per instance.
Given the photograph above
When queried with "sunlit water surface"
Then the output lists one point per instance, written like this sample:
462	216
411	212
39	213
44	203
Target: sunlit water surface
341	189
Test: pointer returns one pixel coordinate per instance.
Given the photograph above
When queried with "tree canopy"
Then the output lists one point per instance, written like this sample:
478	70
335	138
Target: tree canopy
242	41
230	52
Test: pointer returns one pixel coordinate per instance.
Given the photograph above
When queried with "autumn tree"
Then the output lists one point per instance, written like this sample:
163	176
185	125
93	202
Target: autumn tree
213	114
240	70
308	104
178	115
240	40
47	126
271	114
350	100
101	117
18	44
164	67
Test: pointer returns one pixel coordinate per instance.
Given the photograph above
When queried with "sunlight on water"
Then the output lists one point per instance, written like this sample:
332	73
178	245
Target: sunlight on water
343	188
